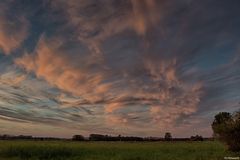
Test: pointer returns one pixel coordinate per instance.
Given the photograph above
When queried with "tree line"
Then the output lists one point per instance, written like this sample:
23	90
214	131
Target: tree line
100	137
167	137
226	128
26	137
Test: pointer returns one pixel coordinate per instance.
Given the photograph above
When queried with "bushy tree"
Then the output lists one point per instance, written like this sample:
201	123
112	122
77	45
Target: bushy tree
168	136
226	127
78	138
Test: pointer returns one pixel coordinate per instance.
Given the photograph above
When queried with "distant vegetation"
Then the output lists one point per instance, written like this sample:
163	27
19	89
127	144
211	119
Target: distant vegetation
100	137
24	137
226	127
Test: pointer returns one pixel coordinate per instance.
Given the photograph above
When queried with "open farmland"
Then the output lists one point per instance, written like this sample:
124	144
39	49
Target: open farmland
61	150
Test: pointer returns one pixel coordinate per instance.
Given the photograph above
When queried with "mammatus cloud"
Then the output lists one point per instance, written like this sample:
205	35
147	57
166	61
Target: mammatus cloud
13	30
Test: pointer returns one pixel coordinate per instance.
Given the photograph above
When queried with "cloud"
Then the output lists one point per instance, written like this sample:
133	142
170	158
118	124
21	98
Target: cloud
116	17
109	108
95	71
28	101
62	69
13	29
162	95
119	66
145	14
12	79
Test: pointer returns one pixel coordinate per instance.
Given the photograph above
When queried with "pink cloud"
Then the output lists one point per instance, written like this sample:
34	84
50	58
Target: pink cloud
12	32
51	64
109	108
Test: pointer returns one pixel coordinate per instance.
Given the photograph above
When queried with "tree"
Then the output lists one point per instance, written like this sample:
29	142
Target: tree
226	127
222	117
78	138
97	137
222	124
168	136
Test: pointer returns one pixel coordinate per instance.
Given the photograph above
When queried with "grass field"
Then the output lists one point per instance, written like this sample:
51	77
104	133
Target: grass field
60	150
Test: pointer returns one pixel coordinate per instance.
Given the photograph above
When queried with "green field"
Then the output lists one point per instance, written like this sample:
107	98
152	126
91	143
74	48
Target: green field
61	150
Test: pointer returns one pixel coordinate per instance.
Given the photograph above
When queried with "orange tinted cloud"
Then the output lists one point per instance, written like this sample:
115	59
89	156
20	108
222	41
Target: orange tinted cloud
109	108
12	80
145	14
166	96
50	63
167	114
12	31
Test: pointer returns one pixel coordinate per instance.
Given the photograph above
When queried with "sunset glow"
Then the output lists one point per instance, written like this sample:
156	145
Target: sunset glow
129	67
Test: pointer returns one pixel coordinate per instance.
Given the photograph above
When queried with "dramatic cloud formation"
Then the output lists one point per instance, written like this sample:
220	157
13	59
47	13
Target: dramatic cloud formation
63	71
118	66
13	30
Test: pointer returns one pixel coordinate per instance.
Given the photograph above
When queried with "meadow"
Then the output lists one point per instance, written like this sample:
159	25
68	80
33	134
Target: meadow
69	150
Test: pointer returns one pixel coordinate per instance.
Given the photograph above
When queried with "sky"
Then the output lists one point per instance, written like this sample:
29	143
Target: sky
129	67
